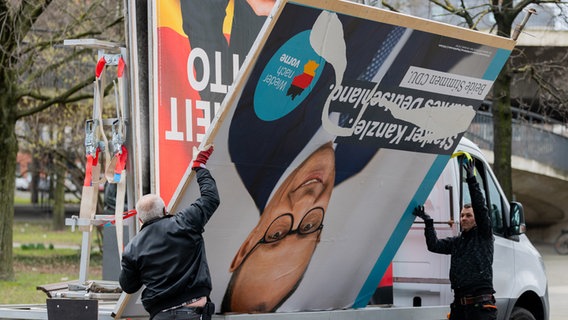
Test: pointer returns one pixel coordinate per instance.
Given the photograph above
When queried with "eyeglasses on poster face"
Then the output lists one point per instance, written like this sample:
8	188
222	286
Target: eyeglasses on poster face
281	227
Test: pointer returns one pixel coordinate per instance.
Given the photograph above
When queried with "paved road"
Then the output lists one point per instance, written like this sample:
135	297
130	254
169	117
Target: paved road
557	272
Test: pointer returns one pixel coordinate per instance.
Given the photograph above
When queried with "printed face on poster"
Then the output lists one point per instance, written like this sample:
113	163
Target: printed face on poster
340	124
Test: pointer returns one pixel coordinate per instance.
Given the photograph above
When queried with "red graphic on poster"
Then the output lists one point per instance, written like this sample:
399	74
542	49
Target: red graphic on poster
302	81
200	48
175	149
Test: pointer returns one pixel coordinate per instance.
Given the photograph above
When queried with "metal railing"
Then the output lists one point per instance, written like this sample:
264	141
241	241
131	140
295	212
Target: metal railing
530	140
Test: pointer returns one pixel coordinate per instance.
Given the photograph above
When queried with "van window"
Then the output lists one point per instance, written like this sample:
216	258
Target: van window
495	207
492	195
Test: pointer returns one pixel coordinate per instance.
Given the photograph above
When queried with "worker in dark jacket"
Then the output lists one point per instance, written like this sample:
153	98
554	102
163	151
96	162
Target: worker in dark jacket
471	273
168	254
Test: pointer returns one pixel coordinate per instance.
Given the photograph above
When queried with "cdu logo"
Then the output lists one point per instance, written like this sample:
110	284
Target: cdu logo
288	78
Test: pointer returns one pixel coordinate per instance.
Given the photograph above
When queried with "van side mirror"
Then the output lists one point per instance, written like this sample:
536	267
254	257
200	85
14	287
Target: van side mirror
517	222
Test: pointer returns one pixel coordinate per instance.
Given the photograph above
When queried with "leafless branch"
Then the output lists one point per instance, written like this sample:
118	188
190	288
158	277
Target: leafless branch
66	97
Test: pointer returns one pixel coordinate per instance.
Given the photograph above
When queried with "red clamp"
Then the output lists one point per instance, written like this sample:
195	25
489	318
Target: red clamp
121	66
120	163
91	162
100	67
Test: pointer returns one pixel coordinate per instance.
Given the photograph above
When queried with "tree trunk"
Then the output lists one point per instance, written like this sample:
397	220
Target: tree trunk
9	147
58	217
34	185
502	130
502	114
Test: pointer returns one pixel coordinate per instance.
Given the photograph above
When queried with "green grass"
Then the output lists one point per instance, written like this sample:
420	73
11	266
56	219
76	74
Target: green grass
23	197
40	231
22	200
23	289
34	268
44	257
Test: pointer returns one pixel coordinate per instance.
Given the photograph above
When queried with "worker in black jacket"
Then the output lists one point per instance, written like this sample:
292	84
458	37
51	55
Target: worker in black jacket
471	273
168	254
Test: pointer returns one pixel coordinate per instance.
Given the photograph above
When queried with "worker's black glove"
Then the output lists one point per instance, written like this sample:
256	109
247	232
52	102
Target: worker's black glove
469	166
419	212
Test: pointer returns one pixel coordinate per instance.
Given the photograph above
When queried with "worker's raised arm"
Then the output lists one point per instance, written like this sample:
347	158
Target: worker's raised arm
199	213
478	203
434	244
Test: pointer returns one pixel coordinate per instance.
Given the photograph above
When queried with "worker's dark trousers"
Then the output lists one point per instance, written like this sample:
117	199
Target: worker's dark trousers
183	313
479	311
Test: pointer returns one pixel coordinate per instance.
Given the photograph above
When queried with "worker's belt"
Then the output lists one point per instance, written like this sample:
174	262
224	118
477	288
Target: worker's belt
182	309
476	299
206	312
187	305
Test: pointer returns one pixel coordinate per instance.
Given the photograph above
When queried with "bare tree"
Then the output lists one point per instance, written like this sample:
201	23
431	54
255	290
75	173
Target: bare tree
36	74
52	138
500	17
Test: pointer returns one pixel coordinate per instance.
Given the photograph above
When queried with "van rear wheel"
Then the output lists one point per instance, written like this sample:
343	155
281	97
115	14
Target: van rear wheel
521	314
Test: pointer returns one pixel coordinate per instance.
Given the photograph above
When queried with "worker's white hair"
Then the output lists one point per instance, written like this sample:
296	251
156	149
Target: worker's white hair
150	207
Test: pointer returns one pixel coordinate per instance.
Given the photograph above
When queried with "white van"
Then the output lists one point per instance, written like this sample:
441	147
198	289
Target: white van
422	277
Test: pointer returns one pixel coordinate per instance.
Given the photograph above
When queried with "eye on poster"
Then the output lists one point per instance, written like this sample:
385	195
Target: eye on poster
340	123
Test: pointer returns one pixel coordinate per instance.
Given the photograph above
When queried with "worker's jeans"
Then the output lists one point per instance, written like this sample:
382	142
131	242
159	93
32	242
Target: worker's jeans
479	311
183	313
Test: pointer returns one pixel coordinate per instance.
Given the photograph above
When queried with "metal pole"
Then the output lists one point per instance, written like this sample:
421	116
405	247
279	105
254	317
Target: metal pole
85	257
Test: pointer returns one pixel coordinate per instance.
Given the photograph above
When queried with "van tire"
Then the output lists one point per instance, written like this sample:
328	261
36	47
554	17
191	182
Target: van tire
520	313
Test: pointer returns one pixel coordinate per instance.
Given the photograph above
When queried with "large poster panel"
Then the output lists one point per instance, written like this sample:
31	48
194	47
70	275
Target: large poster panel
340	124
199	47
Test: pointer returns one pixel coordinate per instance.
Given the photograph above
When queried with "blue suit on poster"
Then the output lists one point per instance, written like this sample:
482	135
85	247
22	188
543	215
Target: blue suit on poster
262	150
275	144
